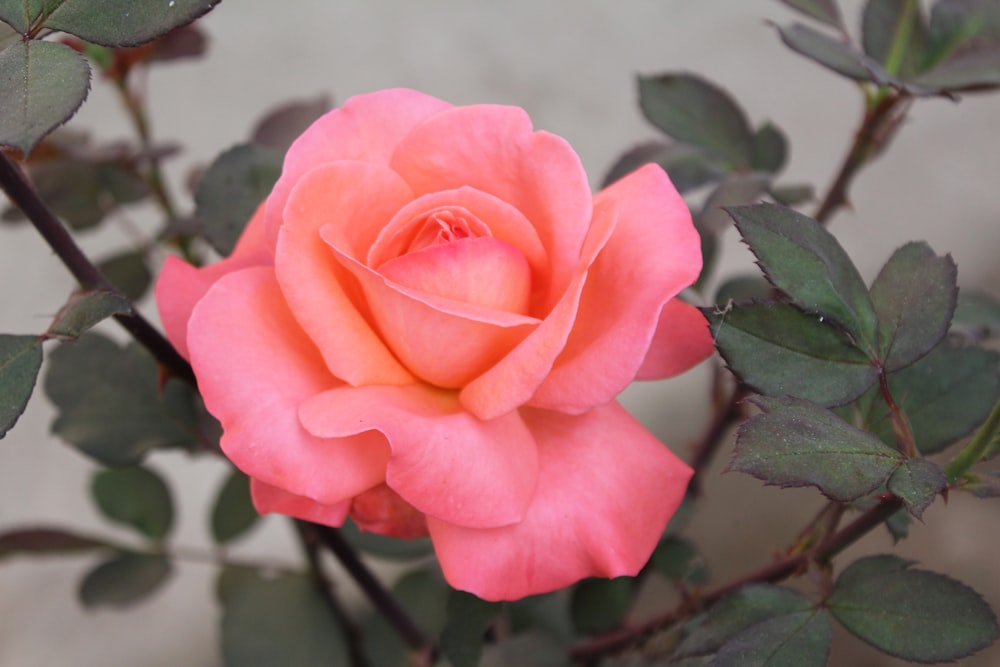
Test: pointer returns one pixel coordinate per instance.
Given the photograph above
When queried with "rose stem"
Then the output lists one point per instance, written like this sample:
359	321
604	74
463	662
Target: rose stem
310	544
588	652
376	593
23	195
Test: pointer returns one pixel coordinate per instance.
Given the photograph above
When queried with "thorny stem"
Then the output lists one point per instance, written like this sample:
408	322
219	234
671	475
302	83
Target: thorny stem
878	126
905	442
15	184
725	416
590	651
376	593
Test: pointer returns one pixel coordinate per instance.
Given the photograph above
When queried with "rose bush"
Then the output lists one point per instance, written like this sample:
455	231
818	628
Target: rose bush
425	327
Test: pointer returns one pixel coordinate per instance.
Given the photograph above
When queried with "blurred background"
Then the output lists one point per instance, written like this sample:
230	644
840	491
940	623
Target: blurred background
572	65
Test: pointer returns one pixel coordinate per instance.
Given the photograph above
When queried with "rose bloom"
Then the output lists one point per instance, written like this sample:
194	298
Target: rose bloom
425	327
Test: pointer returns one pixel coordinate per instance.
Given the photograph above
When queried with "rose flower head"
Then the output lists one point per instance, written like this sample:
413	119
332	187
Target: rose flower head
425	328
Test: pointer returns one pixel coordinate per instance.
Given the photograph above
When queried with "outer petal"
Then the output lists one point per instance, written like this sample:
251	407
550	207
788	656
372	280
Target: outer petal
357	199
180	286
682	340
493	149
366	128
267	499
444	461
254	367
652	255
606	489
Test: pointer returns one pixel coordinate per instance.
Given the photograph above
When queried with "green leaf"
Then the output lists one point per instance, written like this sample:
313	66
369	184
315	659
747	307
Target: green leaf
963	45
136	497
547	614
746	608
839	56
233	513
468	619
42	84
803	260
981	485
911	614
386	547
109	402
423	595
898	525
128	272
893	33
688	168
232	189
39	541
676	558
123	580
20	359
977	315
945	396
86	309
780	350
797	443
917	482
742	188
826	11
770	149
283	125
694	111
914	295
792	195
136	21
743	288
527	650
280	622
600	605
799	639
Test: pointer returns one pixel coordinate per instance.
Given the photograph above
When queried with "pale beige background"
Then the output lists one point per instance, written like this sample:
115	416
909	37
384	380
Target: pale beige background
571	64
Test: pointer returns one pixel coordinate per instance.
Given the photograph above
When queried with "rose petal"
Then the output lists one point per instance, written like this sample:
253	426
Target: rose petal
268	499
254	367
180	286
493	149
366	128
357	199
444	461
653	253
381	510
483	271
682	340
442	341
606	489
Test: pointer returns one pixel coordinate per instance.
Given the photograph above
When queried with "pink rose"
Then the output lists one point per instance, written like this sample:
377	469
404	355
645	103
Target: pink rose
425	327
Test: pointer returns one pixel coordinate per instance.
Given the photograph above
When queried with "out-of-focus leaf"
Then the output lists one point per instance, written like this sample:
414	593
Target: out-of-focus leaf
468	619
676	558
826	11
736	189
72	189
960	27
977	66
743	288
233	513
742	610
123	580
20	359
688	169
109	402
136	497
799	639
423	594
792	195
917	482
39	541
600	605
977	315
33	105
914	295
386	547
839	56
136	21
981	485
232	189
527	650
86	309
802	259
780	350
911	614
232	578
893	33
770	149
280	622
898	525
547	614
184	42
945	396
798	443
694	111
280	127
128	272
